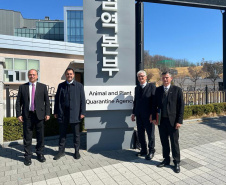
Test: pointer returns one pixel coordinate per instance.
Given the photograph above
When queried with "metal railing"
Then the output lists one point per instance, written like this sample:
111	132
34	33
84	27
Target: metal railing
204	96
11	96
198	97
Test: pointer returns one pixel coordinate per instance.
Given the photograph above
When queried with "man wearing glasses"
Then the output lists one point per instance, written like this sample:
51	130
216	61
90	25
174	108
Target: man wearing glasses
142	111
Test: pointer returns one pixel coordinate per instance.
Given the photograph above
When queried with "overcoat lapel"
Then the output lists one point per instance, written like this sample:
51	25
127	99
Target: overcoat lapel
161	93
170	92
27	91
37	91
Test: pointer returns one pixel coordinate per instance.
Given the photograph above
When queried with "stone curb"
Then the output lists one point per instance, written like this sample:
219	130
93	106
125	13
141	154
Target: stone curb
20	142
201	119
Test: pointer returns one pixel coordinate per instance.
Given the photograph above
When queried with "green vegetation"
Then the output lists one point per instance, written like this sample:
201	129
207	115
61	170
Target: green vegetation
13	129
204	110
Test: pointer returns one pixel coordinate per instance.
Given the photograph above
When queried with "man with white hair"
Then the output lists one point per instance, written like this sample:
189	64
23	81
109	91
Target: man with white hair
142	111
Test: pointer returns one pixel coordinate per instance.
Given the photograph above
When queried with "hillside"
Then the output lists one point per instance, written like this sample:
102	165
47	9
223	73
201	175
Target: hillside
182	71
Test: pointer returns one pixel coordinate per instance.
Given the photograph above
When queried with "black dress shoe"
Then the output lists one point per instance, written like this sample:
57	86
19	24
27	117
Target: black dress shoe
77	155
163	163
149	156
41	158
27	162
177	168
141	153
59	155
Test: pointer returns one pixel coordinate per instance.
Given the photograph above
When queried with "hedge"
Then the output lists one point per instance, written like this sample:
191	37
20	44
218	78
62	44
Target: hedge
13	129
201	110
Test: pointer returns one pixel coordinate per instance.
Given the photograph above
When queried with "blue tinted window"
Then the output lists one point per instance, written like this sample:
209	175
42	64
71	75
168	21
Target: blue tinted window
73	14
77	23
75	26
73	23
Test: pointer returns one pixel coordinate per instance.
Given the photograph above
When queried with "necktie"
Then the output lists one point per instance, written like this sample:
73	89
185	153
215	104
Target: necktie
165	89
33	98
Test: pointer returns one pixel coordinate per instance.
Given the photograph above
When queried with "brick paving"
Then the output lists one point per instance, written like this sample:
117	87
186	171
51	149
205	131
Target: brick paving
203	154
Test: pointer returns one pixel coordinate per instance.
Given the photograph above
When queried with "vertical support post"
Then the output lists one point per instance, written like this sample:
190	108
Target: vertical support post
8	108
206	94
139	36
224	52
2	66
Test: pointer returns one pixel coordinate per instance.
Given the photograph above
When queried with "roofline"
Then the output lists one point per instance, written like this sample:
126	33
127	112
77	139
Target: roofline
40	45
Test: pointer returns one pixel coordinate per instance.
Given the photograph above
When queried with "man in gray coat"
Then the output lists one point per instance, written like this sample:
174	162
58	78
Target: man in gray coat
69	109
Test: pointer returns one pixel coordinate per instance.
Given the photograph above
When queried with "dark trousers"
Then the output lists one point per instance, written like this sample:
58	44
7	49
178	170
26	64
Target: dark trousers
166	131
28	126
143	124
63	134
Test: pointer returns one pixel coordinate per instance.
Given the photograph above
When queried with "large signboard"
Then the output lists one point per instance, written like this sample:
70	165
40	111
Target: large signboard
109	97
109	45
109	72
215	4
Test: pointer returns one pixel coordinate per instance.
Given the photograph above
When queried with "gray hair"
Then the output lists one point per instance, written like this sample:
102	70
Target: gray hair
141	72
166	72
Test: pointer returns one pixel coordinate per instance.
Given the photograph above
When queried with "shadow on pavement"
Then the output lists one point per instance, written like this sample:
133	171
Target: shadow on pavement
217	123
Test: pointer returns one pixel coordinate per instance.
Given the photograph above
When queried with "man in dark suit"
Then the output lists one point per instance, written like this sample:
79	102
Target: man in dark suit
34	101
169	100
69	109
142	110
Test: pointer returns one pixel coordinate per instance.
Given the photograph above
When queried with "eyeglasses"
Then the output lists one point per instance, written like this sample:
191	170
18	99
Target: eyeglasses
141	76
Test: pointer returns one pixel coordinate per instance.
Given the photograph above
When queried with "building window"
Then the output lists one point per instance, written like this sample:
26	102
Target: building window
16	69
25	32
75	26
50	30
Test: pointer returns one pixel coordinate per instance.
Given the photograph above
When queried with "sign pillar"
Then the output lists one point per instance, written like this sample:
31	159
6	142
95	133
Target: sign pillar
109	73
2	66
224	49
139	37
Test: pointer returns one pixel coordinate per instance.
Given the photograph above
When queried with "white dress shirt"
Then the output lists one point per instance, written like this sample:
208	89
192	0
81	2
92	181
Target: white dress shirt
143	85
166	87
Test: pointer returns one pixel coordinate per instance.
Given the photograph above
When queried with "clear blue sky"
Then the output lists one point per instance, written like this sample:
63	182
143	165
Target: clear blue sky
174	31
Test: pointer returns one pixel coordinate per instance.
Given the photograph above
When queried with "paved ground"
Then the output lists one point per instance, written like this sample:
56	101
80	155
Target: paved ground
203	150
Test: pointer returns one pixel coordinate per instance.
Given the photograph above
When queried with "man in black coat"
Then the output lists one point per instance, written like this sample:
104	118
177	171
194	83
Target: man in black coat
142	110
169	101
34	101
69	109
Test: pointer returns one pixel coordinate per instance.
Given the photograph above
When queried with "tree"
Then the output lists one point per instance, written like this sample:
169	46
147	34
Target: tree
149	76
180	80
213	70
151	61
195	73
147	60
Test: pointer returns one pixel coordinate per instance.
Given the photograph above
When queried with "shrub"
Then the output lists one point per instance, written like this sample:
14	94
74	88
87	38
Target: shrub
224	104
208	108
197	110
200	110
187	112
218	107
13	129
